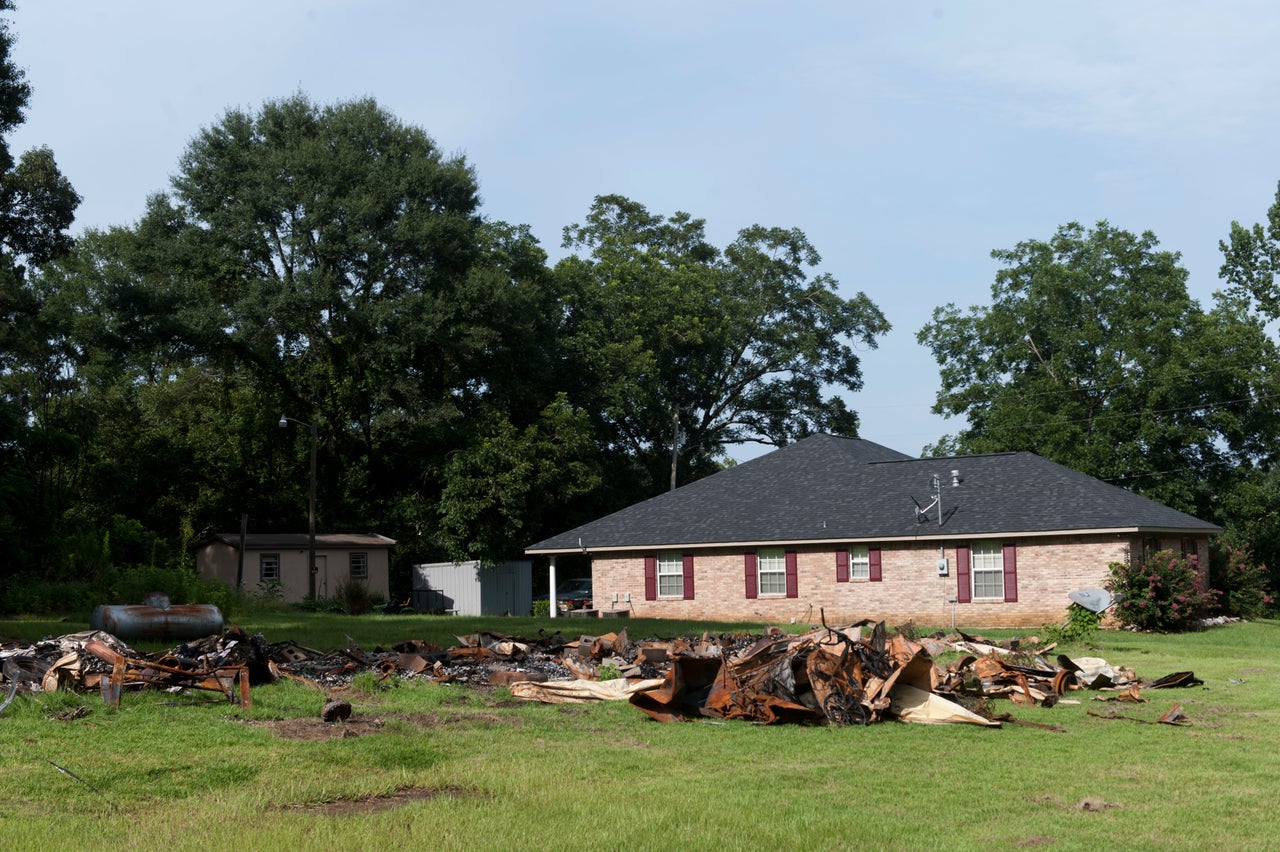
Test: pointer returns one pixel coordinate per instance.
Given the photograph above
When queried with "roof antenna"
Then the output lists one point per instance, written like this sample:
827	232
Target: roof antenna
935	486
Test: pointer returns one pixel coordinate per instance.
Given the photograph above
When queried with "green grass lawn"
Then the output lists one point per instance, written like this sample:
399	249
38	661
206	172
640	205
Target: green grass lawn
441	766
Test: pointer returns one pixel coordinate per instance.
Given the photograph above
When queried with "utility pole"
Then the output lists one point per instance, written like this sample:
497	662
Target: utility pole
244	535
675	445
311	507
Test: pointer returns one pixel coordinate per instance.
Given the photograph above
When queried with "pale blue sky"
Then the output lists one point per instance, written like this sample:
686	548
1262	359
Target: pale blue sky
907	140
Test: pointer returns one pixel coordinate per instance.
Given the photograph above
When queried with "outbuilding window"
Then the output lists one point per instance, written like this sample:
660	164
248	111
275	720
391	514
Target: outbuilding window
269	566
359	563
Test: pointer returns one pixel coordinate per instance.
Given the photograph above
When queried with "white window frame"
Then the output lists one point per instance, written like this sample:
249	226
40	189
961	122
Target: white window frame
670	575
358	565
986	570
771	572
859	562
268	566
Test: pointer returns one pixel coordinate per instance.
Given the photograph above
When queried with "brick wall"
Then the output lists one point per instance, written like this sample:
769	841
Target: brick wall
911	589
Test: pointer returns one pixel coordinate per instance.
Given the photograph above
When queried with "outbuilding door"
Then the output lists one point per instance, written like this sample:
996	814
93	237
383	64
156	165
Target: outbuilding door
322	576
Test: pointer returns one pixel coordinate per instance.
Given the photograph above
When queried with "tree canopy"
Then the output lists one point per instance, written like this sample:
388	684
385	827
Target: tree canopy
1251	261
38	435
1092	354
674	340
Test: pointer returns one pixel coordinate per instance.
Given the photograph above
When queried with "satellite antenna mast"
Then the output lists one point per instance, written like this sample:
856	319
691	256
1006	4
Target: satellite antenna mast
935	486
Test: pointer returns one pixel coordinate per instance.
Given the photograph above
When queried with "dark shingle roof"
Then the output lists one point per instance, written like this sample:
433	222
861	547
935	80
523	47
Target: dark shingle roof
298	541
829	488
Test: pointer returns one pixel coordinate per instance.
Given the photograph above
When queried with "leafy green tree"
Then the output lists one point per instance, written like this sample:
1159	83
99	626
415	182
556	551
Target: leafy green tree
328	263
39	428
508	487
1251	260
669	336
1092	354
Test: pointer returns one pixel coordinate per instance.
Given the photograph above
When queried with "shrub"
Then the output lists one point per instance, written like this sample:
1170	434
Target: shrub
354	598
1242	582
1079	626
1160	592
131	583
542	609
28	594
31	595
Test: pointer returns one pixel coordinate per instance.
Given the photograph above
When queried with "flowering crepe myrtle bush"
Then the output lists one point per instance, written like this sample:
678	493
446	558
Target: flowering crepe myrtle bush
1160	592
1242	582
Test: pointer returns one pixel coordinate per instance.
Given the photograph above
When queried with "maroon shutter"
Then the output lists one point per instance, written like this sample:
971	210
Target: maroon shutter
873	565
749	570
793	587
1010	573
688	576
842	566
651	578
962	574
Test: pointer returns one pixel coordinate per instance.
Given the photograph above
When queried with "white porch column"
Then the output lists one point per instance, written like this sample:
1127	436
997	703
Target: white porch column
555	605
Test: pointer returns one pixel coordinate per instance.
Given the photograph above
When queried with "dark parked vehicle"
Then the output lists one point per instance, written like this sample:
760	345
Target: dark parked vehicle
571	594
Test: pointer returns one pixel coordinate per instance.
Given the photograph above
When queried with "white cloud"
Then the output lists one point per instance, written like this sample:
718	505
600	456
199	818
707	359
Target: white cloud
1127	69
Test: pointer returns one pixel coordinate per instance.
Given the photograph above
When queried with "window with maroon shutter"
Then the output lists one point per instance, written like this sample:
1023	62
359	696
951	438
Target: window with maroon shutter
793	584
873	565
670	574
1010	573
771	572
986	570
749	571
963	594
687	566
842	566
651	578
859	567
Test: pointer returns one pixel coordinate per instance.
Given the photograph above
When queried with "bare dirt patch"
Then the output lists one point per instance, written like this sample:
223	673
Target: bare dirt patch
1089	804
390	801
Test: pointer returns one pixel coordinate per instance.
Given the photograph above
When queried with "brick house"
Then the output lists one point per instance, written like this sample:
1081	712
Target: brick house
282	558
857	530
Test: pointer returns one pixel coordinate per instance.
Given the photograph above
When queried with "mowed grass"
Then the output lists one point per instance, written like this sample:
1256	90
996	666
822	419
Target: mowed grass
449	767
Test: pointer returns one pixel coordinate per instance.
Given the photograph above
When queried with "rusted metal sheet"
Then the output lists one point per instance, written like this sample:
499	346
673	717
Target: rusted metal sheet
826	676
231	681
683	692
1175	681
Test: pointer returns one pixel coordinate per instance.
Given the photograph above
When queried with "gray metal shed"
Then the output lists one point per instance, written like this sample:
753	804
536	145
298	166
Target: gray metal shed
471	588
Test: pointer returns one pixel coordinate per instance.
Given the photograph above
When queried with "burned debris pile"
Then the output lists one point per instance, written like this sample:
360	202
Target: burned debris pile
854	675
